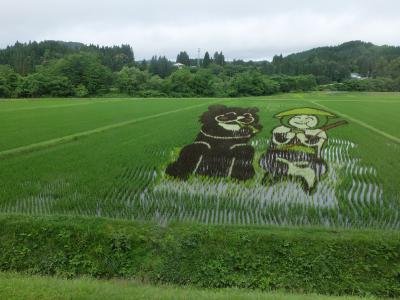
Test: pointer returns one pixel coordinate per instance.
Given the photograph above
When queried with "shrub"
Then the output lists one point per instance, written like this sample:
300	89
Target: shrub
307	260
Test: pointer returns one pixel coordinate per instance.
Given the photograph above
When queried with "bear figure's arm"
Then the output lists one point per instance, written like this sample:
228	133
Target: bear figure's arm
187	161
242	151
242	162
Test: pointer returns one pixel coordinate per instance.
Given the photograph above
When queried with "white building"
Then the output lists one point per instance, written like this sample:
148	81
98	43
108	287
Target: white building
357	76
179	65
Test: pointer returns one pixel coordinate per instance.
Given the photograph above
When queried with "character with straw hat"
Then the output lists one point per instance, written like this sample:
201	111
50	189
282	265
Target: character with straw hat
295	149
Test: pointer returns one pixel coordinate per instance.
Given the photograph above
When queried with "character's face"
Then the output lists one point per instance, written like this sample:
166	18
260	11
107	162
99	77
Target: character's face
236	122
304	121
233	121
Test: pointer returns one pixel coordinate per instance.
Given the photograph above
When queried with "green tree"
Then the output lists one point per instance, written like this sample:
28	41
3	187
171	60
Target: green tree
201	83
84	69
4	87
206	60
59	86
183	58
45	84
252	83
34	85
160	66
219	58
394	68
155	86
179	84
131	80
81	91
9	82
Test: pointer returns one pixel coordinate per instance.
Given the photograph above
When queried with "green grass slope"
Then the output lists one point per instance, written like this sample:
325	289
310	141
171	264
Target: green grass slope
309	260
21	287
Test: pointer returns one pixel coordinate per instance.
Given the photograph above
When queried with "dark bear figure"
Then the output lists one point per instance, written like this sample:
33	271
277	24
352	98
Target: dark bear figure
220	148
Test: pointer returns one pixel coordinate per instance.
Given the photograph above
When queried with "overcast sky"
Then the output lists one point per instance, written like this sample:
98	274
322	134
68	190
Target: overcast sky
246	29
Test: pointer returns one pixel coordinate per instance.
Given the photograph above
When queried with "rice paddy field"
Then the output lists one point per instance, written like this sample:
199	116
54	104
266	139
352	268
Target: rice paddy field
107	157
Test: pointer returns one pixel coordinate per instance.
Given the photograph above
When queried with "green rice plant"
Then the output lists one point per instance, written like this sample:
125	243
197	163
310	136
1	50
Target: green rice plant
117	170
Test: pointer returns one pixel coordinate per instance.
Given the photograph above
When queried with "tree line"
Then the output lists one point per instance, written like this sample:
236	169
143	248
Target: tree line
65	69
335	64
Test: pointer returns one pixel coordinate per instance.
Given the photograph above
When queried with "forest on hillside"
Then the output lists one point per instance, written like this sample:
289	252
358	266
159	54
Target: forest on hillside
68	69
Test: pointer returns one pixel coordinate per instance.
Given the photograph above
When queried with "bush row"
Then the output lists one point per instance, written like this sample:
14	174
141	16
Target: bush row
307	260
365	85
83	75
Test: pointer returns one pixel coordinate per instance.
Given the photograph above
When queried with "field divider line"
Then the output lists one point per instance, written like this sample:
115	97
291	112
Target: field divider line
43	107
79	135
361	123
86	102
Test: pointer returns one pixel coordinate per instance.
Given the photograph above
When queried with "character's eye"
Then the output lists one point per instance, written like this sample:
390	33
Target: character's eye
226	117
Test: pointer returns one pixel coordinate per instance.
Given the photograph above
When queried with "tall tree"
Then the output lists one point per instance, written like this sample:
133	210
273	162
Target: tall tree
160	66
219	58
85	69
206	60
183	58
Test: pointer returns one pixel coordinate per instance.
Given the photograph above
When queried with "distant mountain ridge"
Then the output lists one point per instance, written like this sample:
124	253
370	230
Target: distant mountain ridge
333	63
24	57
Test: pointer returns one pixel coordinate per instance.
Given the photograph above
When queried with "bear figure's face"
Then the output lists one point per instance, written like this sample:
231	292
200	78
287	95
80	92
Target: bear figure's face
224	121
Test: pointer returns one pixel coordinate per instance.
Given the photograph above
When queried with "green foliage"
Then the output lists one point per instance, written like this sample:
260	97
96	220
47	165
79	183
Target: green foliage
309	260
179	83
295	83
183	58
206	60
9	82
184	83
252	83
38	84
24	58
131	80
5	91
81	91
203	84
84	69
20	286
219	58
160	66
330	64
365	85
71	69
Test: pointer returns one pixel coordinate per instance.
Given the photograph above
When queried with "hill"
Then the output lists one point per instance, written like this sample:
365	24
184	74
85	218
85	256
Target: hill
25	57
336	63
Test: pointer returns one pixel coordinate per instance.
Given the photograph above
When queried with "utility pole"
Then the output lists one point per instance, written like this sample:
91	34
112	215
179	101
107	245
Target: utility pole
198	57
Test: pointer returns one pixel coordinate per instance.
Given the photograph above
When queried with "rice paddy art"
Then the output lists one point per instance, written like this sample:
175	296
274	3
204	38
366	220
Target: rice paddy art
300	183
131	165
221	148
296	146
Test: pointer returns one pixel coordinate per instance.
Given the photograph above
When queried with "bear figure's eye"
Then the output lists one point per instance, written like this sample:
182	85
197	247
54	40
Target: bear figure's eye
226	117
230	114
246	118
